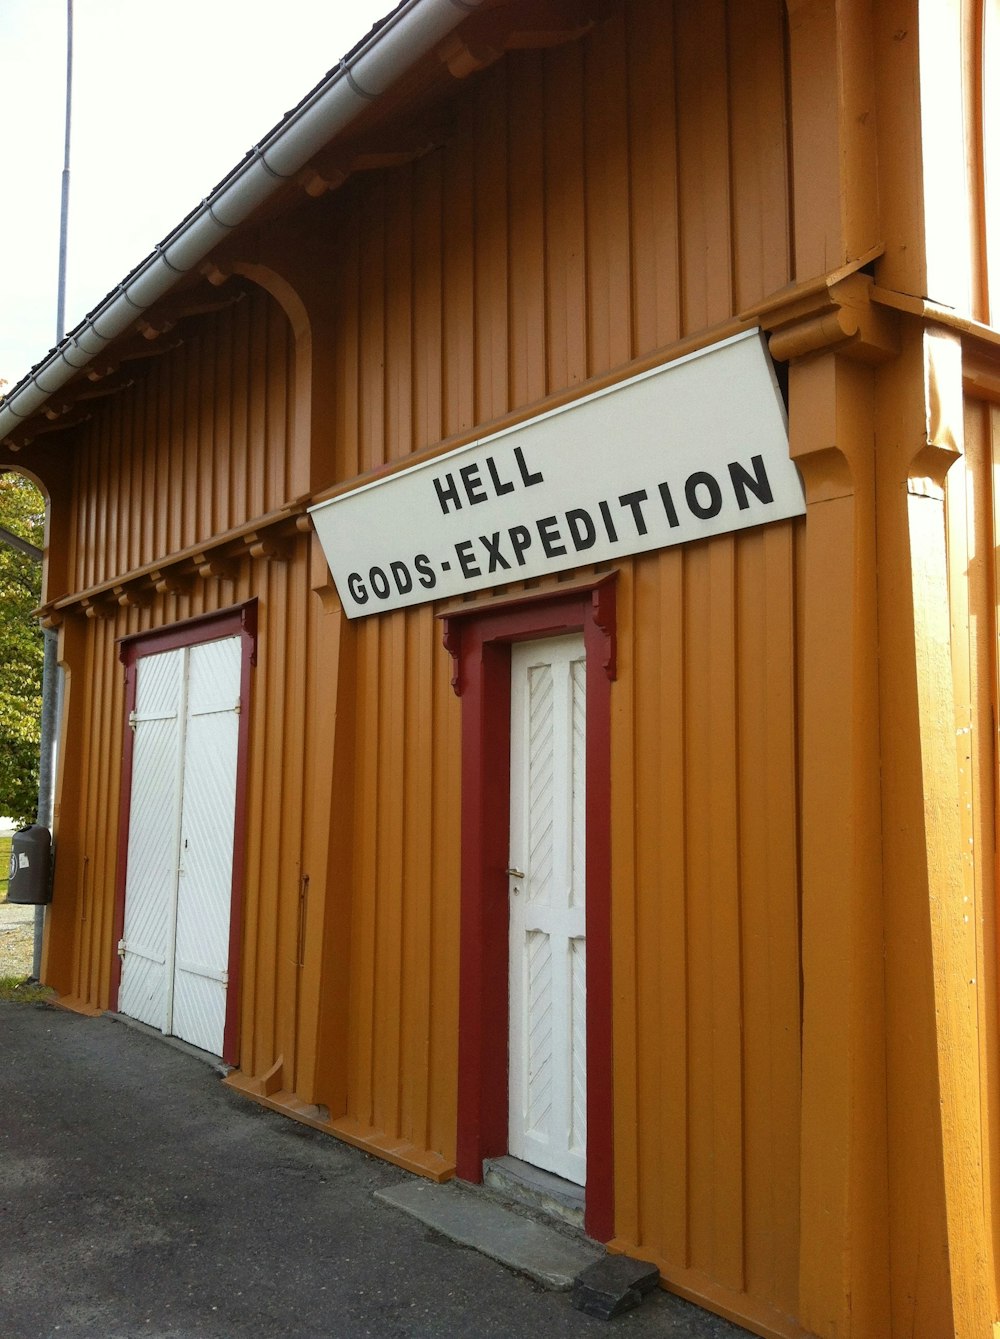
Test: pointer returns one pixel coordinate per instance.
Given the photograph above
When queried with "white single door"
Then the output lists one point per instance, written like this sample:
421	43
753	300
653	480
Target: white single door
548	996
178	890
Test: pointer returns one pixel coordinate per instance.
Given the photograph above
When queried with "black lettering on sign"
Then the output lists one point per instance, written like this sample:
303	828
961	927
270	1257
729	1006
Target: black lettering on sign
548	533
474	489
379	583
466	558
425	573
447	492
401	576
520	539
668	505
609	525
704	510
501	486
581	529
357	588
758	482
527	478
492	546
634	502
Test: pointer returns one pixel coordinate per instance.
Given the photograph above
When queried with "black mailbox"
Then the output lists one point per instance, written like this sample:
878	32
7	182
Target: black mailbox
30	857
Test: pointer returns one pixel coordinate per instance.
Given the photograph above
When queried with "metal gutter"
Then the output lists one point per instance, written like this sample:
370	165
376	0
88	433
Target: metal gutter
362	76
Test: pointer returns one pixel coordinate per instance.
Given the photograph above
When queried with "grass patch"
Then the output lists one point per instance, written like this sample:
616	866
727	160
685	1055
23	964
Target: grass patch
22	991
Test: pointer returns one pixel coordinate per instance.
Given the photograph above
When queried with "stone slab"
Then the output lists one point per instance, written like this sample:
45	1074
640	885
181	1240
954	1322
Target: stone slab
542	1253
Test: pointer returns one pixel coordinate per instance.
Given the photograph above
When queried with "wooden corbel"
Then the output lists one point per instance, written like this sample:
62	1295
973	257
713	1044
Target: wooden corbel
832	313
524	25
97	606
171	581
50	617
131	595
152	327
265	545
212	565
216	274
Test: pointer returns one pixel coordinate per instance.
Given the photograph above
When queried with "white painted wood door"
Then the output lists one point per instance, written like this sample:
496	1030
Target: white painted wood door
178	891
547	1078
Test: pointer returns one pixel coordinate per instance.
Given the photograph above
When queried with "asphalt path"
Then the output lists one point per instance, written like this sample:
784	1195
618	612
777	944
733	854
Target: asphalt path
139	1196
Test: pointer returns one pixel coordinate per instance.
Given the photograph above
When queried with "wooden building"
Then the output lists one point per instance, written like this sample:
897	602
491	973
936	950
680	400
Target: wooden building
665	860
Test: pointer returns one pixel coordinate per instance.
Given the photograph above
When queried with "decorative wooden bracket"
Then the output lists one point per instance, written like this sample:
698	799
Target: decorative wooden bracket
523	25
133	595
213	565
834	312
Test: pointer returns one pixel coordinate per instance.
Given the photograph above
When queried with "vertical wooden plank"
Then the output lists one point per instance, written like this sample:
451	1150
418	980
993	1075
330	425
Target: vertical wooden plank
703	101
565	222
238	419
526	196
759	134
715	1127
623	913
348	353
116	512
459	282
445	909
274	442
190	482
427	300
175	367
769	910
391	895
257	402
607	186
207	410
365	891
418	864
222	424
399	316
286	767
371	334
653	154
491	248
668	928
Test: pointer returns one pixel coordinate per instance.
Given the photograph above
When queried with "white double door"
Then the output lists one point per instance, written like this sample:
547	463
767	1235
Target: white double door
178	886
547	1058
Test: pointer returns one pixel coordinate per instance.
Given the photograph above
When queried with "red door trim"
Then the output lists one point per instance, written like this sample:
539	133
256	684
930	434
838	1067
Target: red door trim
241	621
479	639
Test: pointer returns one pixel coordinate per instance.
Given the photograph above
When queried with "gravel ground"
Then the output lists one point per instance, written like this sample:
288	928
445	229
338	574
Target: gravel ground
17	937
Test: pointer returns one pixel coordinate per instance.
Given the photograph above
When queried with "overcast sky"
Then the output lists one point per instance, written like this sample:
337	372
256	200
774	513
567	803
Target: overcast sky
166	99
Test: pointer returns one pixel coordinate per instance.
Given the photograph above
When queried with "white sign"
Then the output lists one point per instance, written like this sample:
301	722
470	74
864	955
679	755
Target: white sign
697	447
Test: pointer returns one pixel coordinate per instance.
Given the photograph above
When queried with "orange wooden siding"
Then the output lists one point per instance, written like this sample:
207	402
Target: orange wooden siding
595	204
705	916
199	444
973	534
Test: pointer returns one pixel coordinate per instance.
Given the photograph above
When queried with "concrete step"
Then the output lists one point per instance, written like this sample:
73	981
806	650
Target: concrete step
548	1255
538	1191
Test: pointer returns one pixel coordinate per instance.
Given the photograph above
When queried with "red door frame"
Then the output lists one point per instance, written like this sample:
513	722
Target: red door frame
479	638
238	621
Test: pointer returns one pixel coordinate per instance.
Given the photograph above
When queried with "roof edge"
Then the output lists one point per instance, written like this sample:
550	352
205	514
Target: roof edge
360	78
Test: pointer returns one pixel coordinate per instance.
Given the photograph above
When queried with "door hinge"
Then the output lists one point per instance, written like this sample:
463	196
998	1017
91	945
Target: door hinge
132	721
122	946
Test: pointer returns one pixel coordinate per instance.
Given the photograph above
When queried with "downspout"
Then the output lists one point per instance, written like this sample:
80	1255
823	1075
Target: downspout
407	35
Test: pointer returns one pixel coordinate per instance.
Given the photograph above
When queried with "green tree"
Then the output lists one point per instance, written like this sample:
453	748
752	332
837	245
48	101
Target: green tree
22	512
